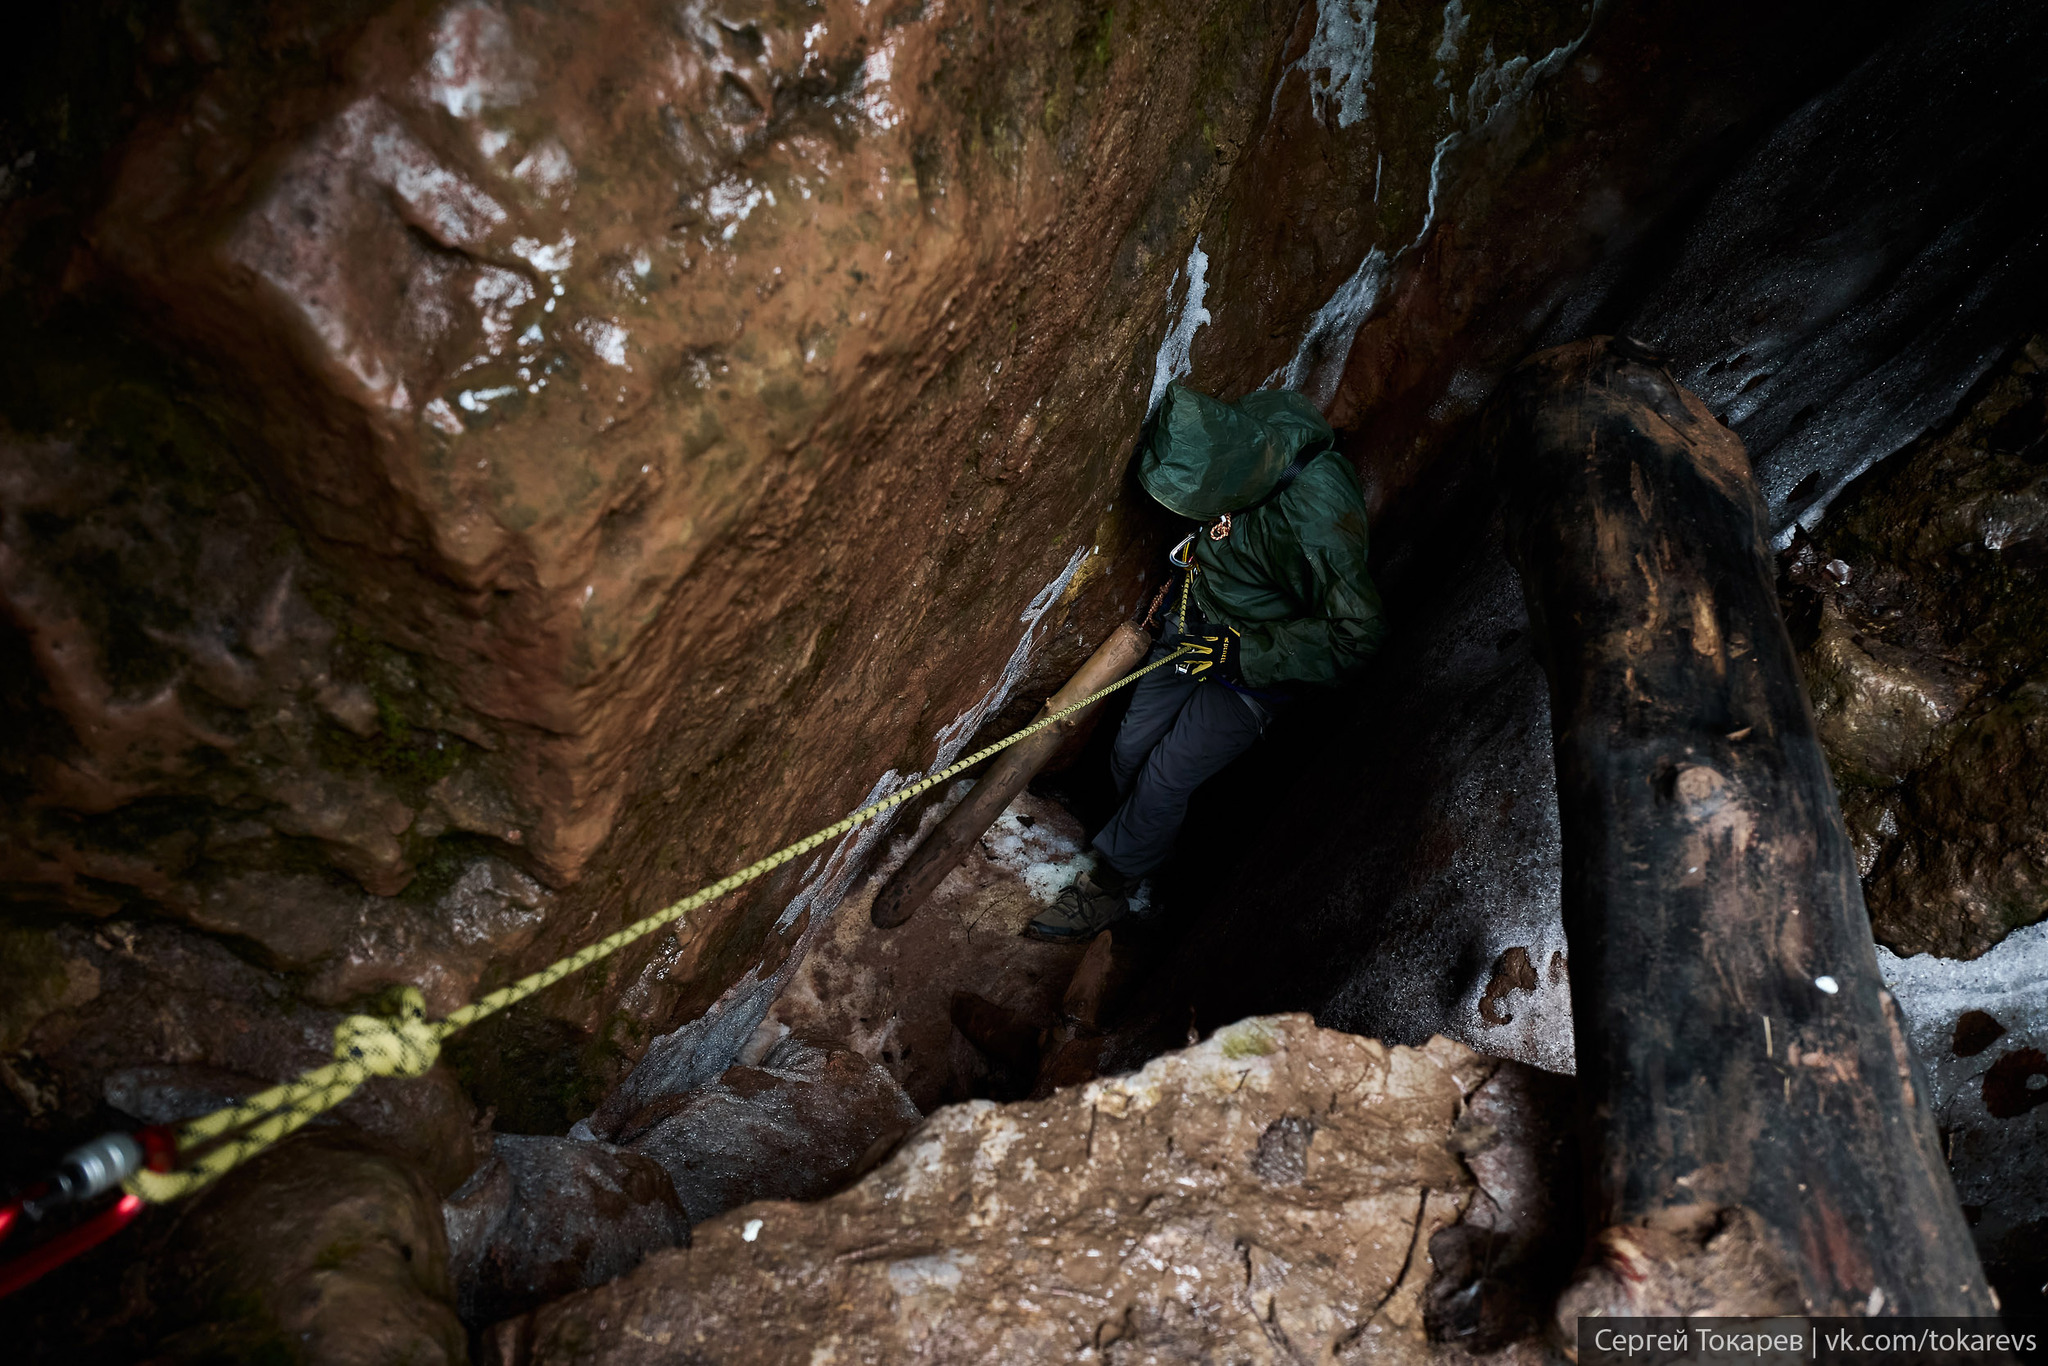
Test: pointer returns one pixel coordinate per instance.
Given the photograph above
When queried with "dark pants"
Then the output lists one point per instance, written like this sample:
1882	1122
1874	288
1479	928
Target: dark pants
1177	735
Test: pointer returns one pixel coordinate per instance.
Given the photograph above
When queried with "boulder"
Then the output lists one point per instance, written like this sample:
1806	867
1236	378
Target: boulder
797	1125
1269	1195
546	1216
322	1250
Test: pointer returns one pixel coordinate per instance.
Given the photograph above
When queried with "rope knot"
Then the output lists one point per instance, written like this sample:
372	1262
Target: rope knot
402	1045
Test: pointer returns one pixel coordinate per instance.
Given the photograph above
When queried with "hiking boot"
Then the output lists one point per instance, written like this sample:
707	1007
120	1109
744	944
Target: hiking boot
1079	913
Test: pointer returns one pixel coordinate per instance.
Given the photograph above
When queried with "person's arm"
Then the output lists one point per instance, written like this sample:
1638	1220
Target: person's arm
1342	625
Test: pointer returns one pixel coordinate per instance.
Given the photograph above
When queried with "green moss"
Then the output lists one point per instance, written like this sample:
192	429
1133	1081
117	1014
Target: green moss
1247	1040
337	1255
411	757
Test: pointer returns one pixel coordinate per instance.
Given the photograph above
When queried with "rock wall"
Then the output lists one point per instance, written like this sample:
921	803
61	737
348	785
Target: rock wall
473	474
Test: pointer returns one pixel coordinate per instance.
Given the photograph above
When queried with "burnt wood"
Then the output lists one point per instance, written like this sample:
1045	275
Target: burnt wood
1756	1128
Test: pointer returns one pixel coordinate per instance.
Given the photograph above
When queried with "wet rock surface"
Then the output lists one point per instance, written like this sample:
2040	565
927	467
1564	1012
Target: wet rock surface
1918	600
321	1252
469	474
546	1216
1269	1195
438	453
138	1022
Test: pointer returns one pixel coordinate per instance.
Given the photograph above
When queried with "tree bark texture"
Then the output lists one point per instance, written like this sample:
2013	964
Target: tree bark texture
1757	1132
941	851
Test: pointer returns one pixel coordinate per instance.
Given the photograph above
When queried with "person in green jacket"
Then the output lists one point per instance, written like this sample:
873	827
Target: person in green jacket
1271	593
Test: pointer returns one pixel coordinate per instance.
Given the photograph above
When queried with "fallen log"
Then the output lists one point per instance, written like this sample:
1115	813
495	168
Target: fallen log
1756	1128
941	851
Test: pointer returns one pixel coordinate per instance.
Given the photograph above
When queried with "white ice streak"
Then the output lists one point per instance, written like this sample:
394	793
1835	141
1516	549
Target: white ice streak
1339	59
954	737
822	892
1172	361
1318	362
1456	21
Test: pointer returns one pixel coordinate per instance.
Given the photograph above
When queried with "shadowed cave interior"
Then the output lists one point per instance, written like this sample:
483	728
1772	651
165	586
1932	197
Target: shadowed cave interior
473	473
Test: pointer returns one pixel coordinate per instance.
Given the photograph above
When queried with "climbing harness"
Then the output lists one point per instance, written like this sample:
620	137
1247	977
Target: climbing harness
157	1166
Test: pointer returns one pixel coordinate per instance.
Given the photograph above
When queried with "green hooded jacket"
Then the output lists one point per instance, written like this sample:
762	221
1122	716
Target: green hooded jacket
1291	575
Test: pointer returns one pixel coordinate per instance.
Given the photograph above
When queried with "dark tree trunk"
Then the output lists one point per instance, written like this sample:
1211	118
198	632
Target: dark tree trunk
1757	1132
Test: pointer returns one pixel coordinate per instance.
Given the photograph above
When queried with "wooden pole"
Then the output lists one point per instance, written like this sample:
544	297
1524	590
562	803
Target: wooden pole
949	842
1756	1129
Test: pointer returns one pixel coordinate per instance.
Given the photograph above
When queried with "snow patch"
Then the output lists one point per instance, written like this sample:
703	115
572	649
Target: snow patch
1043	859
2000	1163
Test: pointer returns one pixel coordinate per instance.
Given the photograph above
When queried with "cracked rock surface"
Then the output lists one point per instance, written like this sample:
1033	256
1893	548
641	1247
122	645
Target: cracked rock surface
1268	1195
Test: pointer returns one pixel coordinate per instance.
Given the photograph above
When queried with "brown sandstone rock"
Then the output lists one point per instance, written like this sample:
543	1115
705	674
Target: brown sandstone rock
320	1251
483	430
1268	1195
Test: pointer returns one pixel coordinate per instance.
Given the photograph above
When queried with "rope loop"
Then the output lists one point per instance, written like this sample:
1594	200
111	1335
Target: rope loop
400	1045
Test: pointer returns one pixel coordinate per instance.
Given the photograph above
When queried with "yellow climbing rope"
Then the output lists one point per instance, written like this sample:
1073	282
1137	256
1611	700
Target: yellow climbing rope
407	1043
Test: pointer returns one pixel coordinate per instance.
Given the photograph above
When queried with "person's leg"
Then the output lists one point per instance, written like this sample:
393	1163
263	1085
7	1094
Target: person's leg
1156	699
1214	725
1177	733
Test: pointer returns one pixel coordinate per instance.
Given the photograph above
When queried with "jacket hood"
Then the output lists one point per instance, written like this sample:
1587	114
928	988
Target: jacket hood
1208	457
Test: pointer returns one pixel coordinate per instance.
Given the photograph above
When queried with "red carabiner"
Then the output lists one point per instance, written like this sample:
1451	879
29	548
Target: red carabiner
36	1264
157	1148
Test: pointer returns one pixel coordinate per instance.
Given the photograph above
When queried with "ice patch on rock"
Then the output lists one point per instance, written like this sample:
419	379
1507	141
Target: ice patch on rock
953	737
1339	58
1318	362
1172	361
